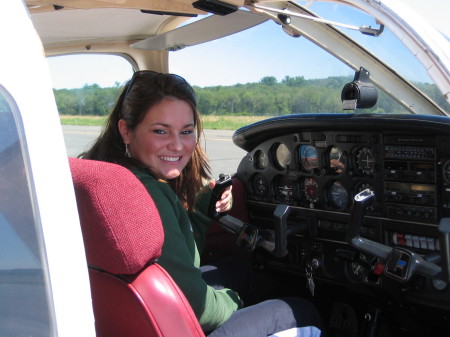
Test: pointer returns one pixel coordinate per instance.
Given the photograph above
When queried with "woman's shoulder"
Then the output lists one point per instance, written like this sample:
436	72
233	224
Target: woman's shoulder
143	174
153	185
162	194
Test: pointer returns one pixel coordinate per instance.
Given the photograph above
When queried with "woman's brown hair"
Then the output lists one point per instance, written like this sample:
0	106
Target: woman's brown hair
143	91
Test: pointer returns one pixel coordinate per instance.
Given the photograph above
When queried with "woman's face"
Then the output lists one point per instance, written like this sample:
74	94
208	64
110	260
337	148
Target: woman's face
165	139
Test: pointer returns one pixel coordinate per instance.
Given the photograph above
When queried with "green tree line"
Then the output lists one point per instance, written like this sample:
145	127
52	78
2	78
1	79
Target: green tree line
268	97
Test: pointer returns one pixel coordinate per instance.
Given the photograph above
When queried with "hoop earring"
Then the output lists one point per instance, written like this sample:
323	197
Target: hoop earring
127	151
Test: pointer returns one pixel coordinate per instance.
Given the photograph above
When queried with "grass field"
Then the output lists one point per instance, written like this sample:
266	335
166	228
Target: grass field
209	122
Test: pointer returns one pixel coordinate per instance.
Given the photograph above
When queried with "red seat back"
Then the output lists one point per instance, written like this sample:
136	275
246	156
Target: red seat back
132	295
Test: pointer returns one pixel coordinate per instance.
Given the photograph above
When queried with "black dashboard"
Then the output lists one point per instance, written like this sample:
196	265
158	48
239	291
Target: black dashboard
317	163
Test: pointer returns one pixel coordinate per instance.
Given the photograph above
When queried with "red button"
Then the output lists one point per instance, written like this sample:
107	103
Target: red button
378	268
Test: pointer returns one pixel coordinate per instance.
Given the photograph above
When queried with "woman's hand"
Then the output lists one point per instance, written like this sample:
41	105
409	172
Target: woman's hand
226	200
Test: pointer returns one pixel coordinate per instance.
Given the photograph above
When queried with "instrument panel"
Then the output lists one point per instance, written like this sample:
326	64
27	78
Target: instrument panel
316	164
409	171
317	170
325	170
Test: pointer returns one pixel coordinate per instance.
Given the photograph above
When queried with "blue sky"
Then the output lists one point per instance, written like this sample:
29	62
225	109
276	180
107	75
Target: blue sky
247	57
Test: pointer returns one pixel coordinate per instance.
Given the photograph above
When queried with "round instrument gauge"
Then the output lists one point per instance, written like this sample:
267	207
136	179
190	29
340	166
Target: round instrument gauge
260	185
357	269
336	160
281	155
308	157
261	159
338	195
365	161
446	171
310	189
284	190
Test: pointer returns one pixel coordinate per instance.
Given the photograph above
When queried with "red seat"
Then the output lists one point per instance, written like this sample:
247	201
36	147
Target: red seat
132	295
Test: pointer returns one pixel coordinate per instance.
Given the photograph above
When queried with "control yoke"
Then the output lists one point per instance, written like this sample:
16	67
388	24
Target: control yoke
249	236
280	225
361	201
401	263
274	241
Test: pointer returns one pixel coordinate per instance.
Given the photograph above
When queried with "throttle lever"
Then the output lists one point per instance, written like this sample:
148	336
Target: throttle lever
401	263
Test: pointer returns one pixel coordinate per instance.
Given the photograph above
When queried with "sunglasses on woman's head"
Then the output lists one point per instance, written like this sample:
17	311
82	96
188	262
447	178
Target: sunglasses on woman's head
141	74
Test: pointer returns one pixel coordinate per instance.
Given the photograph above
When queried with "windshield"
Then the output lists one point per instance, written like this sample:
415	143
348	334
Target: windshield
269	70
307	78
435	11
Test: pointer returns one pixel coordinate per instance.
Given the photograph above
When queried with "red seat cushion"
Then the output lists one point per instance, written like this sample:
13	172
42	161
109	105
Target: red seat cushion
121	226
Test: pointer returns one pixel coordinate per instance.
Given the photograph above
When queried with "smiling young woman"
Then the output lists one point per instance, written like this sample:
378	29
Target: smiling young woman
148	90
165	139
154	131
